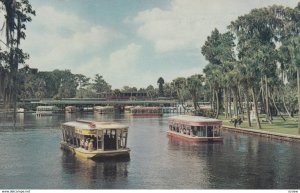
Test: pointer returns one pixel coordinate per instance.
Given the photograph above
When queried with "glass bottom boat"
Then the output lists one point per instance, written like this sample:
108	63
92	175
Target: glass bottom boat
93	140
195	128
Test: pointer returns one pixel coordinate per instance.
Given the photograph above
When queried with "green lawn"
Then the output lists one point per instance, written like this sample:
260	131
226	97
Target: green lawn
290	126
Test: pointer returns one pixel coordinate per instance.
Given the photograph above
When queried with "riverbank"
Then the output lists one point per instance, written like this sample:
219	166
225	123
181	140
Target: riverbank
262	133
279	129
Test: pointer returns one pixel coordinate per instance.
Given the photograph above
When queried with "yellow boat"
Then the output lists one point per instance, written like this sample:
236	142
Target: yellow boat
93	140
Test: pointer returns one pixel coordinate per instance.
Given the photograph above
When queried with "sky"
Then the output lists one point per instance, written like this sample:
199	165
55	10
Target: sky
129	42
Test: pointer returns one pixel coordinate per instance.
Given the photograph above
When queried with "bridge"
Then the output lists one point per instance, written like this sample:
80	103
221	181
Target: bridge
89	103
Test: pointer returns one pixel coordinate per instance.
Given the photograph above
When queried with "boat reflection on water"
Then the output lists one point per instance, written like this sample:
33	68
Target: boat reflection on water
87	170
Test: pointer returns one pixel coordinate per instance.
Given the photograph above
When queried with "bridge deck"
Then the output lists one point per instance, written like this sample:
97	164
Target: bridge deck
104	102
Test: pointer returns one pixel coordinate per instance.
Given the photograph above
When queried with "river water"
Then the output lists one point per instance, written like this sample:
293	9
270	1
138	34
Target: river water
31	158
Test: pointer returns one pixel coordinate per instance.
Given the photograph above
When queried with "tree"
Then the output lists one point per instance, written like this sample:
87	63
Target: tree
295	56
160	83
129	89
151	91
169	90
194	85
180	88
17	14
218	49
82	82
68	85
100	85
257	33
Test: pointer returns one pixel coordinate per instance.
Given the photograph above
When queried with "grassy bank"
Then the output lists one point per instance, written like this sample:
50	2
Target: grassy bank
290	126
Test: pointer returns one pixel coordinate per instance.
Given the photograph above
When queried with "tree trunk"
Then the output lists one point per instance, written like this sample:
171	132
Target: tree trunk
277	108
213	101
235	106
218	105
230	113
267	101
255	108
247	107
286	109
239	102
298	85
262	98
194	98
225	102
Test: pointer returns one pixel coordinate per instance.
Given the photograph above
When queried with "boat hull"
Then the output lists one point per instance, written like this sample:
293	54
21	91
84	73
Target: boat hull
193	139
95	154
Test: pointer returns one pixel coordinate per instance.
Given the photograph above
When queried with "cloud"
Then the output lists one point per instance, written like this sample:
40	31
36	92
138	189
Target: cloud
119	68
124	59
61	40
186	24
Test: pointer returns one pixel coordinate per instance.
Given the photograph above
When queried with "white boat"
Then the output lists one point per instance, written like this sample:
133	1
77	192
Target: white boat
195	128
93	140
46	110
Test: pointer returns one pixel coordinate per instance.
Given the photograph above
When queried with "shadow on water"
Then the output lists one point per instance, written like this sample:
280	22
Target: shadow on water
100	173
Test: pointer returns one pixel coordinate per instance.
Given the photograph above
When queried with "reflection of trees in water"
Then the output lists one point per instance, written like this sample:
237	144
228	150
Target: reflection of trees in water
245	162
6	119
161	121
88	172
70	116
108	117
253	162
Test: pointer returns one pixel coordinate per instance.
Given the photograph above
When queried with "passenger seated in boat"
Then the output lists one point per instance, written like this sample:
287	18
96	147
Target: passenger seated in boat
86	144
90	145
82	143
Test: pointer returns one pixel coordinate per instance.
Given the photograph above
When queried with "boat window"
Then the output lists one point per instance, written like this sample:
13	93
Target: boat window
110	141
201	131
209	131
189	130
194	130
217	131
124	139
182	128
121	137
99	140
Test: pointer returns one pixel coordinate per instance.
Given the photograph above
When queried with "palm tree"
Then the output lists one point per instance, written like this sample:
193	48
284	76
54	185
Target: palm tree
194	84
180	86
160	83
212	74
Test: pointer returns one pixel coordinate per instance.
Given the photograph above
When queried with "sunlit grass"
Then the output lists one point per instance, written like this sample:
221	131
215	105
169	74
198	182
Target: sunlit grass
278	125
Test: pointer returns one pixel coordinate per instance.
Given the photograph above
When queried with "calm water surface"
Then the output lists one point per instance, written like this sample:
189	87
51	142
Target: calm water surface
31	158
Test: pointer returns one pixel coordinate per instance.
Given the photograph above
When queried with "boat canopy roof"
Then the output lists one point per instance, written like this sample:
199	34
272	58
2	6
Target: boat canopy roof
90	127
195	120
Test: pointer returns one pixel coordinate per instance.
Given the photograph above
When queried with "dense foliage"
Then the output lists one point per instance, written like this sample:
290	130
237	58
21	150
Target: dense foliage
262	76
